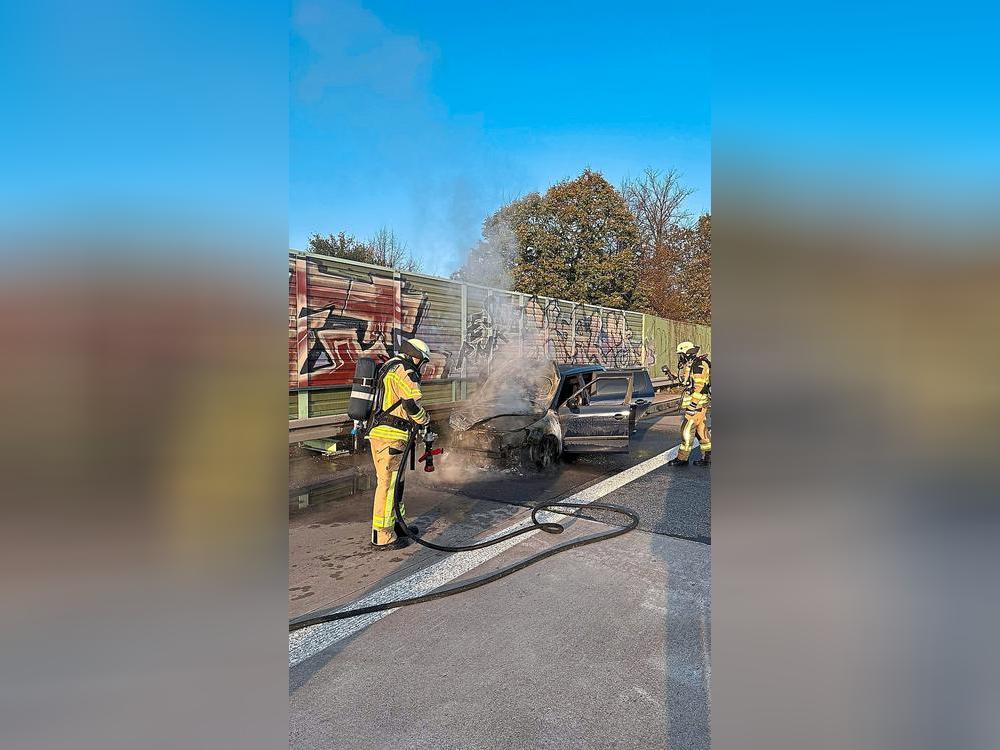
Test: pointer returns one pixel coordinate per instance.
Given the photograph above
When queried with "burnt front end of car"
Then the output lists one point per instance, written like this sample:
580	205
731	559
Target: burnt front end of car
477	440
501	418
507	440
488	443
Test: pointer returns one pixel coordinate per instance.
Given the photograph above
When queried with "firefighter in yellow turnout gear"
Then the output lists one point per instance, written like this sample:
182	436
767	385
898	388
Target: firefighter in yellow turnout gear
695	372
399	409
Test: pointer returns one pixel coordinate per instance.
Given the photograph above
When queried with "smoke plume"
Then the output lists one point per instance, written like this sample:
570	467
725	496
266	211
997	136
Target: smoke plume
490	261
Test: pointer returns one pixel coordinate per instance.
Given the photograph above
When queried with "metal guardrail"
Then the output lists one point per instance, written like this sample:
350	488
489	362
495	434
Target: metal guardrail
317	428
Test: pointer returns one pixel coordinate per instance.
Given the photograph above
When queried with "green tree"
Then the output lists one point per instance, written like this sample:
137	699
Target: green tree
383	249
340	245
693	247
579	242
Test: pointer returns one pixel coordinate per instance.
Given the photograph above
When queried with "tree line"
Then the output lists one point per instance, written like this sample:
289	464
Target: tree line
383	248
634	247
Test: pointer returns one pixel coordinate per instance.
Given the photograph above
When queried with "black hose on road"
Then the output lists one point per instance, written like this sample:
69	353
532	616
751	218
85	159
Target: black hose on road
550	527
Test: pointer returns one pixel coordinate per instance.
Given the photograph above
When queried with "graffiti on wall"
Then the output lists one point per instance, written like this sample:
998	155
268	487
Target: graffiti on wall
346	319
542	328
337	317
547	330
605	338
489	331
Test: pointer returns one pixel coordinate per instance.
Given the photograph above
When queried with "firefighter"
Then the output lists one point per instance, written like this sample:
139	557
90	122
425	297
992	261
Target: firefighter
694	370
399	410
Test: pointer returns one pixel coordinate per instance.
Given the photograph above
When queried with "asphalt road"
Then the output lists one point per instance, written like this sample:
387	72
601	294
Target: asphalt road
599	647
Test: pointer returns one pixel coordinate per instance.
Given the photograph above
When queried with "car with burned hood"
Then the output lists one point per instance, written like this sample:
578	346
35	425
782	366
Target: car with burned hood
532	411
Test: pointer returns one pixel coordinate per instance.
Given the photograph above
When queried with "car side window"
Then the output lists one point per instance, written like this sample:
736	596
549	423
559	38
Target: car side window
602	391
572	384
609	390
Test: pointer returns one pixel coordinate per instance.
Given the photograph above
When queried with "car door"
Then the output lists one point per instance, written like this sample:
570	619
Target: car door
595	419
642	392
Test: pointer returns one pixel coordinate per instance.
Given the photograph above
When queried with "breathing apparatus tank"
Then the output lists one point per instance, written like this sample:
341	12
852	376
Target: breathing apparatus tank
359	405
362	398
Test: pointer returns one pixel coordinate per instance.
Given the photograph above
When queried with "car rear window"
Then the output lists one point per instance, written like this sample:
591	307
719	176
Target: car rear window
641	384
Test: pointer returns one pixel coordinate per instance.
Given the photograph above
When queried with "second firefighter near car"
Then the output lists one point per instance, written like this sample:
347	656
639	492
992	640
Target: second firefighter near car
695	372
397	410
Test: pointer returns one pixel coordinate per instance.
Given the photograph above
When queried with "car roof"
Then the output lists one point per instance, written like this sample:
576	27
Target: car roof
577	369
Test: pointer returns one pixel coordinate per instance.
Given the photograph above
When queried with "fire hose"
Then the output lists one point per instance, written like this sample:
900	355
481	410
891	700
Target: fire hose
550	527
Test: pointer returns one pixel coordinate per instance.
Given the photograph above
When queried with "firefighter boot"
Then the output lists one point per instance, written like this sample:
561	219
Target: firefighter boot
404	530
378	540
677	462
705	460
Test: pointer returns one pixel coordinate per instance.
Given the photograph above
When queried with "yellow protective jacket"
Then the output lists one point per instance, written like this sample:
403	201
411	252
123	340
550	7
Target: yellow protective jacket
698	385
402	386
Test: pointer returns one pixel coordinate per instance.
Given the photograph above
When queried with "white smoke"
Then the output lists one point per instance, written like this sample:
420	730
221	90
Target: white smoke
516	389
490	261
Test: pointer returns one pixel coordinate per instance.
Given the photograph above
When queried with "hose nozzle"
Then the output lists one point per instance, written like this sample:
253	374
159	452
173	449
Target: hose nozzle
429	451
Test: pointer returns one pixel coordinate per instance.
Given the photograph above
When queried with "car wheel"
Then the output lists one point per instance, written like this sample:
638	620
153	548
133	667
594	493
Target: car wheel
547	453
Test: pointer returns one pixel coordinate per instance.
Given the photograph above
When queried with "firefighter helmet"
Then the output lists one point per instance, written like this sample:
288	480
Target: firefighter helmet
415	348
686	352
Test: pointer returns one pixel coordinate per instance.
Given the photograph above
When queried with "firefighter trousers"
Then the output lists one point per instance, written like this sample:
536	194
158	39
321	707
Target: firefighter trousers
694	425
387	455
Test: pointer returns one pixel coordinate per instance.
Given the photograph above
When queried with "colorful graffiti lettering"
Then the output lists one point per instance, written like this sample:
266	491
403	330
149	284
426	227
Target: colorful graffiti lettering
648	354
345	319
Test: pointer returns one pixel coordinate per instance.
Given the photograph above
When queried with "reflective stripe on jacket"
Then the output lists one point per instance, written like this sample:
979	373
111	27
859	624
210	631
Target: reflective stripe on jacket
698	388
399	386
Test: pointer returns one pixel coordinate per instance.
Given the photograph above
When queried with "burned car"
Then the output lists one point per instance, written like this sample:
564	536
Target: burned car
533	411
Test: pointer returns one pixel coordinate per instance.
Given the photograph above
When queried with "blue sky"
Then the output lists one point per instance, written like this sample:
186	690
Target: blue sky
150	105
425	117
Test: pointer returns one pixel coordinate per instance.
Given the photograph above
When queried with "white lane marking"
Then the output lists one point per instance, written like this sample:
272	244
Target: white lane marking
619	480
310	641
